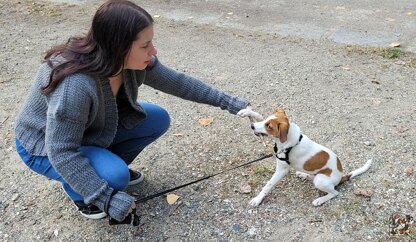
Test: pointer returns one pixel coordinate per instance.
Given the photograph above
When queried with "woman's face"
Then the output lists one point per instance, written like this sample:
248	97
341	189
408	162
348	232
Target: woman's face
141	50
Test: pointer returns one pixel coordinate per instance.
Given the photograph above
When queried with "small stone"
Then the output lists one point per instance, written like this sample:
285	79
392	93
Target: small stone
237	228
369	143
251	232
403	150
245	189
15	196
56	232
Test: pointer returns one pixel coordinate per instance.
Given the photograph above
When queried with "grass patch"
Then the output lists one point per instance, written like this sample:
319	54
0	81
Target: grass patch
44	9
390	53
263	170
393	53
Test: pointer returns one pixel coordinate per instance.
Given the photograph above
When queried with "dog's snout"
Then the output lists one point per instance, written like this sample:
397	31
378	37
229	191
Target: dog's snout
252	126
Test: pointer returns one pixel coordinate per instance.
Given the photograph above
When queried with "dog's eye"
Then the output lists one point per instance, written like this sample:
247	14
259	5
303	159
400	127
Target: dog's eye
268	127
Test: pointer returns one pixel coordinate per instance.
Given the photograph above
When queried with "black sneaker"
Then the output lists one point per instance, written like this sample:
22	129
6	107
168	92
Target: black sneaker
90	211
135	177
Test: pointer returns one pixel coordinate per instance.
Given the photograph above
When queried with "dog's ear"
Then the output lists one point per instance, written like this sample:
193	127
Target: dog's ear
283	130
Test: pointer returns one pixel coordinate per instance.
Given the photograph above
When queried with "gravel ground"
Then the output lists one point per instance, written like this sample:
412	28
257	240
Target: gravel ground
351	99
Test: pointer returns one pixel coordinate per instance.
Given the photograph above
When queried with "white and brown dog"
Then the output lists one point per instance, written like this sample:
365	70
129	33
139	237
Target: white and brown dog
294	149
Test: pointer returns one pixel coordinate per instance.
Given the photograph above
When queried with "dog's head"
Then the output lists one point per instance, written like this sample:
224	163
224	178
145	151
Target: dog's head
276	125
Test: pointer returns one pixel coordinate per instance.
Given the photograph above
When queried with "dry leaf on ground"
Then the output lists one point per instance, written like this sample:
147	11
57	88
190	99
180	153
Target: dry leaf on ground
362	192
394	44
408	171
206	121
172	198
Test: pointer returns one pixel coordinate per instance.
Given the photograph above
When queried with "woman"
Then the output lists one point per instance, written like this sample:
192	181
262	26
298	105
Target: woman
81	125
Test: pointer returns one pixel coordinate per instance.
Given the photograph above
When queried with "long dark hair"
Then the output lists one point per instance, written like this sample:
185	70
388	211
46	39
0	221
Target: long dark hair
102	51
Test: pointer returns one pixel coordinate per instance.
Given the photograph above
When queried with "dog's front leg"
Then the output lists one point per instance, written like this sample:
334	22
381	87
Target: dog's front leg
282	168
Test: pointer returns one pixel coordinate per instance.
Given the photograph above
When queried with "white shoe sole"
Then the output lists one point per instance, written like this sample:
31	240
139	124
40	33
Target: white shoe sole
137	181
94	216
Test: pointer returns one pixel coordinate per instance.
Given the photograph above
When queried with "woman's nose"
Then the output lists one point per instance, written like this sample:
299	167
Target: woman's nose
154	51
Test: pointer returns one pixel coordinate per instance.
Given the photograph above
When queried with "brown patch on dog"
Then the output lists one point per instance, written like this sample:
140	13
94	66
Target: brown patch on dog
326	172
316	162
339	165
345	178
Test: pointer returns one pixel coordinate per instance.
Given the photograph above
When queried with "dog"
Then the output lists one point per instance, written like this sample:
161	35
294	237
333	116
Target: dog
294	149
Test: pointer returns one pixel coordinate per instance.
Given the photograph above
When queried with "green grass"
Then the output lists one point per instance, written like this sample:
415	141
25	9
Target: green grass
393	53
390	53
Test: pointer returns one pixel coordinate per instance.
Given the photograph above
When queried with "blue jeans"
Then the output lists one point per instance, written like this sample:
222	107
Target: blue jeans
110	164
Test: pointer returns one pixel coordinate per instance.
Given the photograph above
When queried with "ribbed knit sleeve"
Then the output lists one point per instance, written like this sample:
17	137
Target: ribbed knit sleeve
184	86
68	112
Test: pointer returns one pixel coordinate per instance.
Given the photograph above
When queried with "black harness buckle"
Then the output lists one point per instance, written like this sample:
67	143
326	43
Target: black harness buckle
286	151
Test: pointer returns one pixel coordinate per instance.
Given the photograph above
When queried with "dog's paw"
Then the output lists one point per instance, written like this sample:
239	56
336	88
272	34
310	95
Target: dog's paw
319	201
245	112
248	112
255	201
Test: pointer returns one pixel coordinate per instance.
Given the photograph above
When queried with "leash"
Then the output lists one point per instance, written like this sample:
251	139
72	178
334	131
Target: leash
144	199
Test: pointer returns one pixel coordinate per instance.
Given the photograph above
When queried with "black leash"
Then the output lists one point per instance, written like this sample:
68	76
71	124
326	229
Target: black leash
134	219
144	199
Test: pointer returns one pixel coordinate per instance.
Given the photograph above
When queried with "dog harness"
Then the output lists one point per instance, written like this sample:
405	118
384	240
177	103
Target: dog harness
286	151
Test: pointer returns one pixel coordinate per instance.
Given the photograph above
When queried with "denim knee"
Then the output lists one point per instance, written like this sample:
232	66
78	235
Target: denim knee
120	180
108	166
164	121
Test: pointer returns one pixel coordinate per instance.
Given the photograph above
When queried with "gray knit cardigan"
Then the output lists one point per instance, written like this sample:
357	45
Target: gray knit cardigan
82	111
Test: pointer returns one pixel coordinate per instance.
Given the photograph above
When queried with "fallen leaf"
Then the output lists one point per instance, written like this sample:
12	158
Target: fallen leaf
346	68
206	121
230	13
394	44
362	192
178	134
172	198
390	19
156	16
408	171
409	13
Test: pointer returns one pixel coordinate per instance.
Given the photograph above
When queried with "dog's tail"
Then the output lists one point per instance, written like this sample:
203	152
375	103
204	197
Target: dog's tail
357	172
